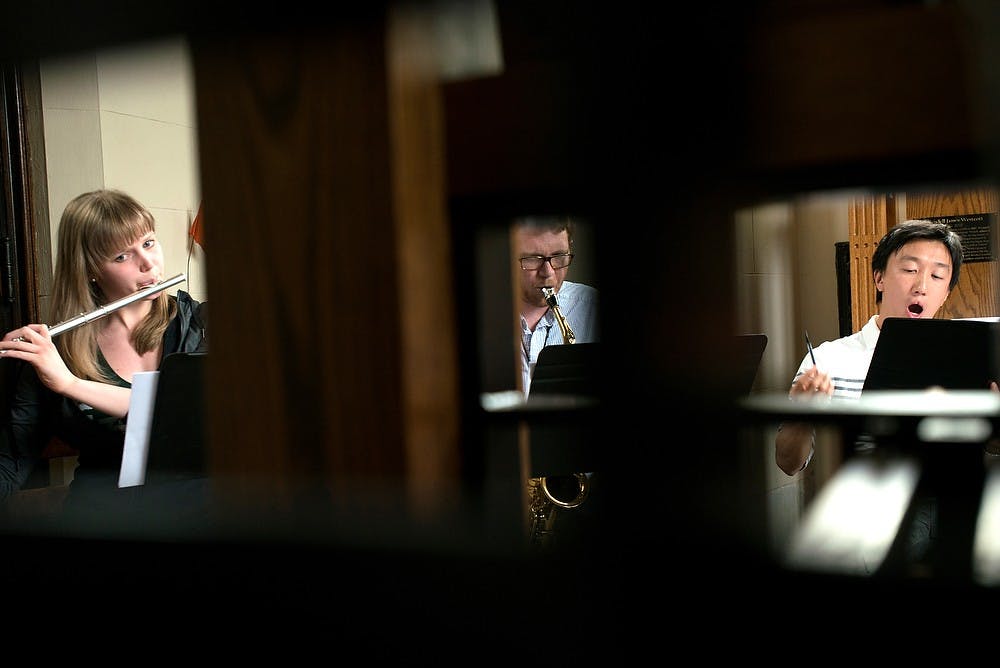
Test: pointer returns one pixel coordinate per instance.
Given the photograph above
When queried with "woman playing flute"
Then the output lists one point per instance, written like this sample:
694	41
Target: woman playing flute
76	388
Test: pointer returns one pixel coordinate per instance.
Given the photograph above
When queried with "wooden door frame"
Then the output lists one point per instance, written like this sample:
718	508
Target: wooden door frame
869	218
25	249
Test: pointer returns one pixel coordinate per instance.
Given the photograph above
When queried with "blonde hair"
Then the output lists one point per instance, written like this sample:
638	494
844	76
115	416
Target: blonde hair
94	227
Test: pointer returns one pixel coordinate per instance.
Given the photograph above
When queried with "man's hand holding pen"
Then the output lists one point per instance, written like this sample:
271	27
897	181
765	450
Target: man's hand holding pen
810	384
813	382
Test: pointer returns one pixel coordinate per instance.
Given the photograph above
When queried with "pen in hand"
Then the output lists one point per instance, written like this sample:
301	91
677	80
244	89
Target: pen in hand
809	347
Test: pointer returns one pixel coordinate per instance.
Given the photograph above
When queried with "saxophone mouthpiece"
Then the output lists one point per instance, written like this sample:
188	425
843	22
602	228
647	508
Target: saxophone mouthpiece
550	299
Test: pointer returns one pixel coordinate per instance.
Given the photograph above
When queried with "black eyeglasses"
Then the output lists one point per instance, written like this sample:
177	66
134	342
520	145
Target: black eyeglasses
534	262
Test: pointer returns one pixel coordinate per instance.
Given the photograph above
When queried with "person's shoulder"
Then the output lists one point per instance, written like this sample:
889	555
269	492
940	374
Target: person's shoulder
851	342
186	297
186	300
580	291
190	306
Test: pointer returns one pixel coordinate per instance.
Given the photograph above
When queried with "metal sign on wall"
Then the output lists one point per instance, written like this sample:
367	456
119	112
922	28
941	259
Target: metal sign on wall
976	231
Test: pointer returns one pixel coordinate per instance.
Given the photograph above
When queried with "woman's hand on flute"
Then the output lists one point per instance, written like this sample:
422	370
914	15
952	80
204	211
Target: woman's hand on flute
33	344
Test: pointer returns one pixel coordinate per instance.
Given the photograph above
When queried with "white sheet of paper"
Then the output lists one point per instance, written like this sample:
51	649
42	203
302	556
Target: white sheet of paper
137	428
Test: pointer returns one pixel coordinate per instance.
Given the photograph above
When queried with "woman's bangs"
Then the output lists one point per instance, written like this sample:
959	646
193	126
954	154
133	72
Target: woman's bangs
115	234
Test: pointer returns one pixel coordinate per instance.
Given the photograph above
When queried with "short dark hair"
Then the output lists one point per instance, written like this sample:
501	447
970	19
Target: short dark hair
554	224
909	230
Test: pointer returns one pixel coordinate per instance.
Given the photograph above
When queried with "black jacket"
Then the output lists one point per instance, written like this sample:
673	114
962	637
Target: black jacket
37	414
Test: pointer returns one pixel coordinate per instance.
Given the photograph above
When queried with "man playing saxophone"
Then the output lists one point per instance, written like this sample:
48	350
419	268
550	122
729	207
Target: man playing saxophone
543	248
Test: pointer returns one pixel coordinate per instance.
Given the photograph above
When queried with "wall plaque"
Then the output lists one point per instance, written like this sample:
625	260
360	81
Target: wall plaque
976	231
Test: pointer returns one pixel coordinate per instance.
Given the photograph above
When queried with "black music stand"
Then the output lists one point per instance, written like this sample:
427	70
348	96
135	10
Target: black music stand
566	369
949	354
174	491
177	431
750	351
564	429
958	354
565	388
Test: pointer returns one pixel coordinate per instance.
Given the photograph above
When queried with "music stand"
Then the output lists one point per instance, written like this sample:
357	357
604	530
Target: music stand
750	351
914	354
569	369
565	430
566	443
177	432
919	354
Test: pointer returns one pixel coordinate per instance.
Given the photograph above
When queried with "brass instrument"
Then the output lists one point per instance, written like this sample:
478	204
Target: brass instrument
543	503
550	299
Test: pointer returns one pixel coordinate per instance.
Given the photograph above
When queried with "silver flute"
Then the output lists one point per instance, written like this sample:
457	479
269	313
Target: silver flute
101	311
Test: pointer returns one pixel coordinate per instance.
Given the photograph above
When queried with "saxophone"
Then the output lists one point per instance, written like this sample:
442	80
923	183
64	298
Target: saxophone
550	299
543	503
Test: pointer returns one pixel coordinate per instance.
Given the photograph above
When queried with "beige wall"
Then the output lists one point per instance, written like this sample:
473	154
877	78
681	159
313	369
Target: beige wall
125	118
787	283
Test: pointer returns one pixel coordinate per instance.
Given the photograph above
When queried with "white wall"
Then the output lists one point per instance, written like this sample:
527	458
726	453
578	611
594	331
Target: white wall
124	118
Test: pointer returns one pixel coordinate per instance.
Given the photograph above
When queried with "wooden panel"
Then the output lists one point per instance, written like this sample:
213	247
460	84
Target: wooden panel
859	87
868	220
525	149
976	294
305	284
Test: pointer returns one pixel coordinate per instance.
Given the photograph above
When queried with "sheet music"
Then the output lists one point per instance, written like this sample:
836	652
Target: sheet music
137	428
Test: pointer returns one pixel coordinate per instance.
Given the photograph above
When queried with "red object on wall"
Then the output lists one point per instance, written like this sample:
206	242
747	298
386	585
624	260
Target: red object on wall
197	229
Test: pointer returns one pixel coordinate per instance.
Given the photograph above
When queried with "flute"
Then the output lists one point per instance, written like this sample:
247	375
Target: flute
102	311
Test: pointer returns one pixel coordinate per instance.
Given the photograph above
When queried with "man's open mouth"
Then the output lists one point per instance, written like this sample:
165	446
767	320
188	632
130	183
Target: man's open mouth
915	309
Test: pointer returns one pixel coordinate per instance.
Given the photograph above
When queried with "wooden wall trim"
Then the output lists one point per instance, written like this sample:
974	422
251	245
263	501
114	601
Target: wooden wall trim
426	281
868	220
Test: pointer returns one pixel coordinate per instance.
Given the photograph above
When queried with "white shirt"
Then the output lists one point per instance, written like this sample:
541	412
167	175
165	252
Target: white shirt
846	360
